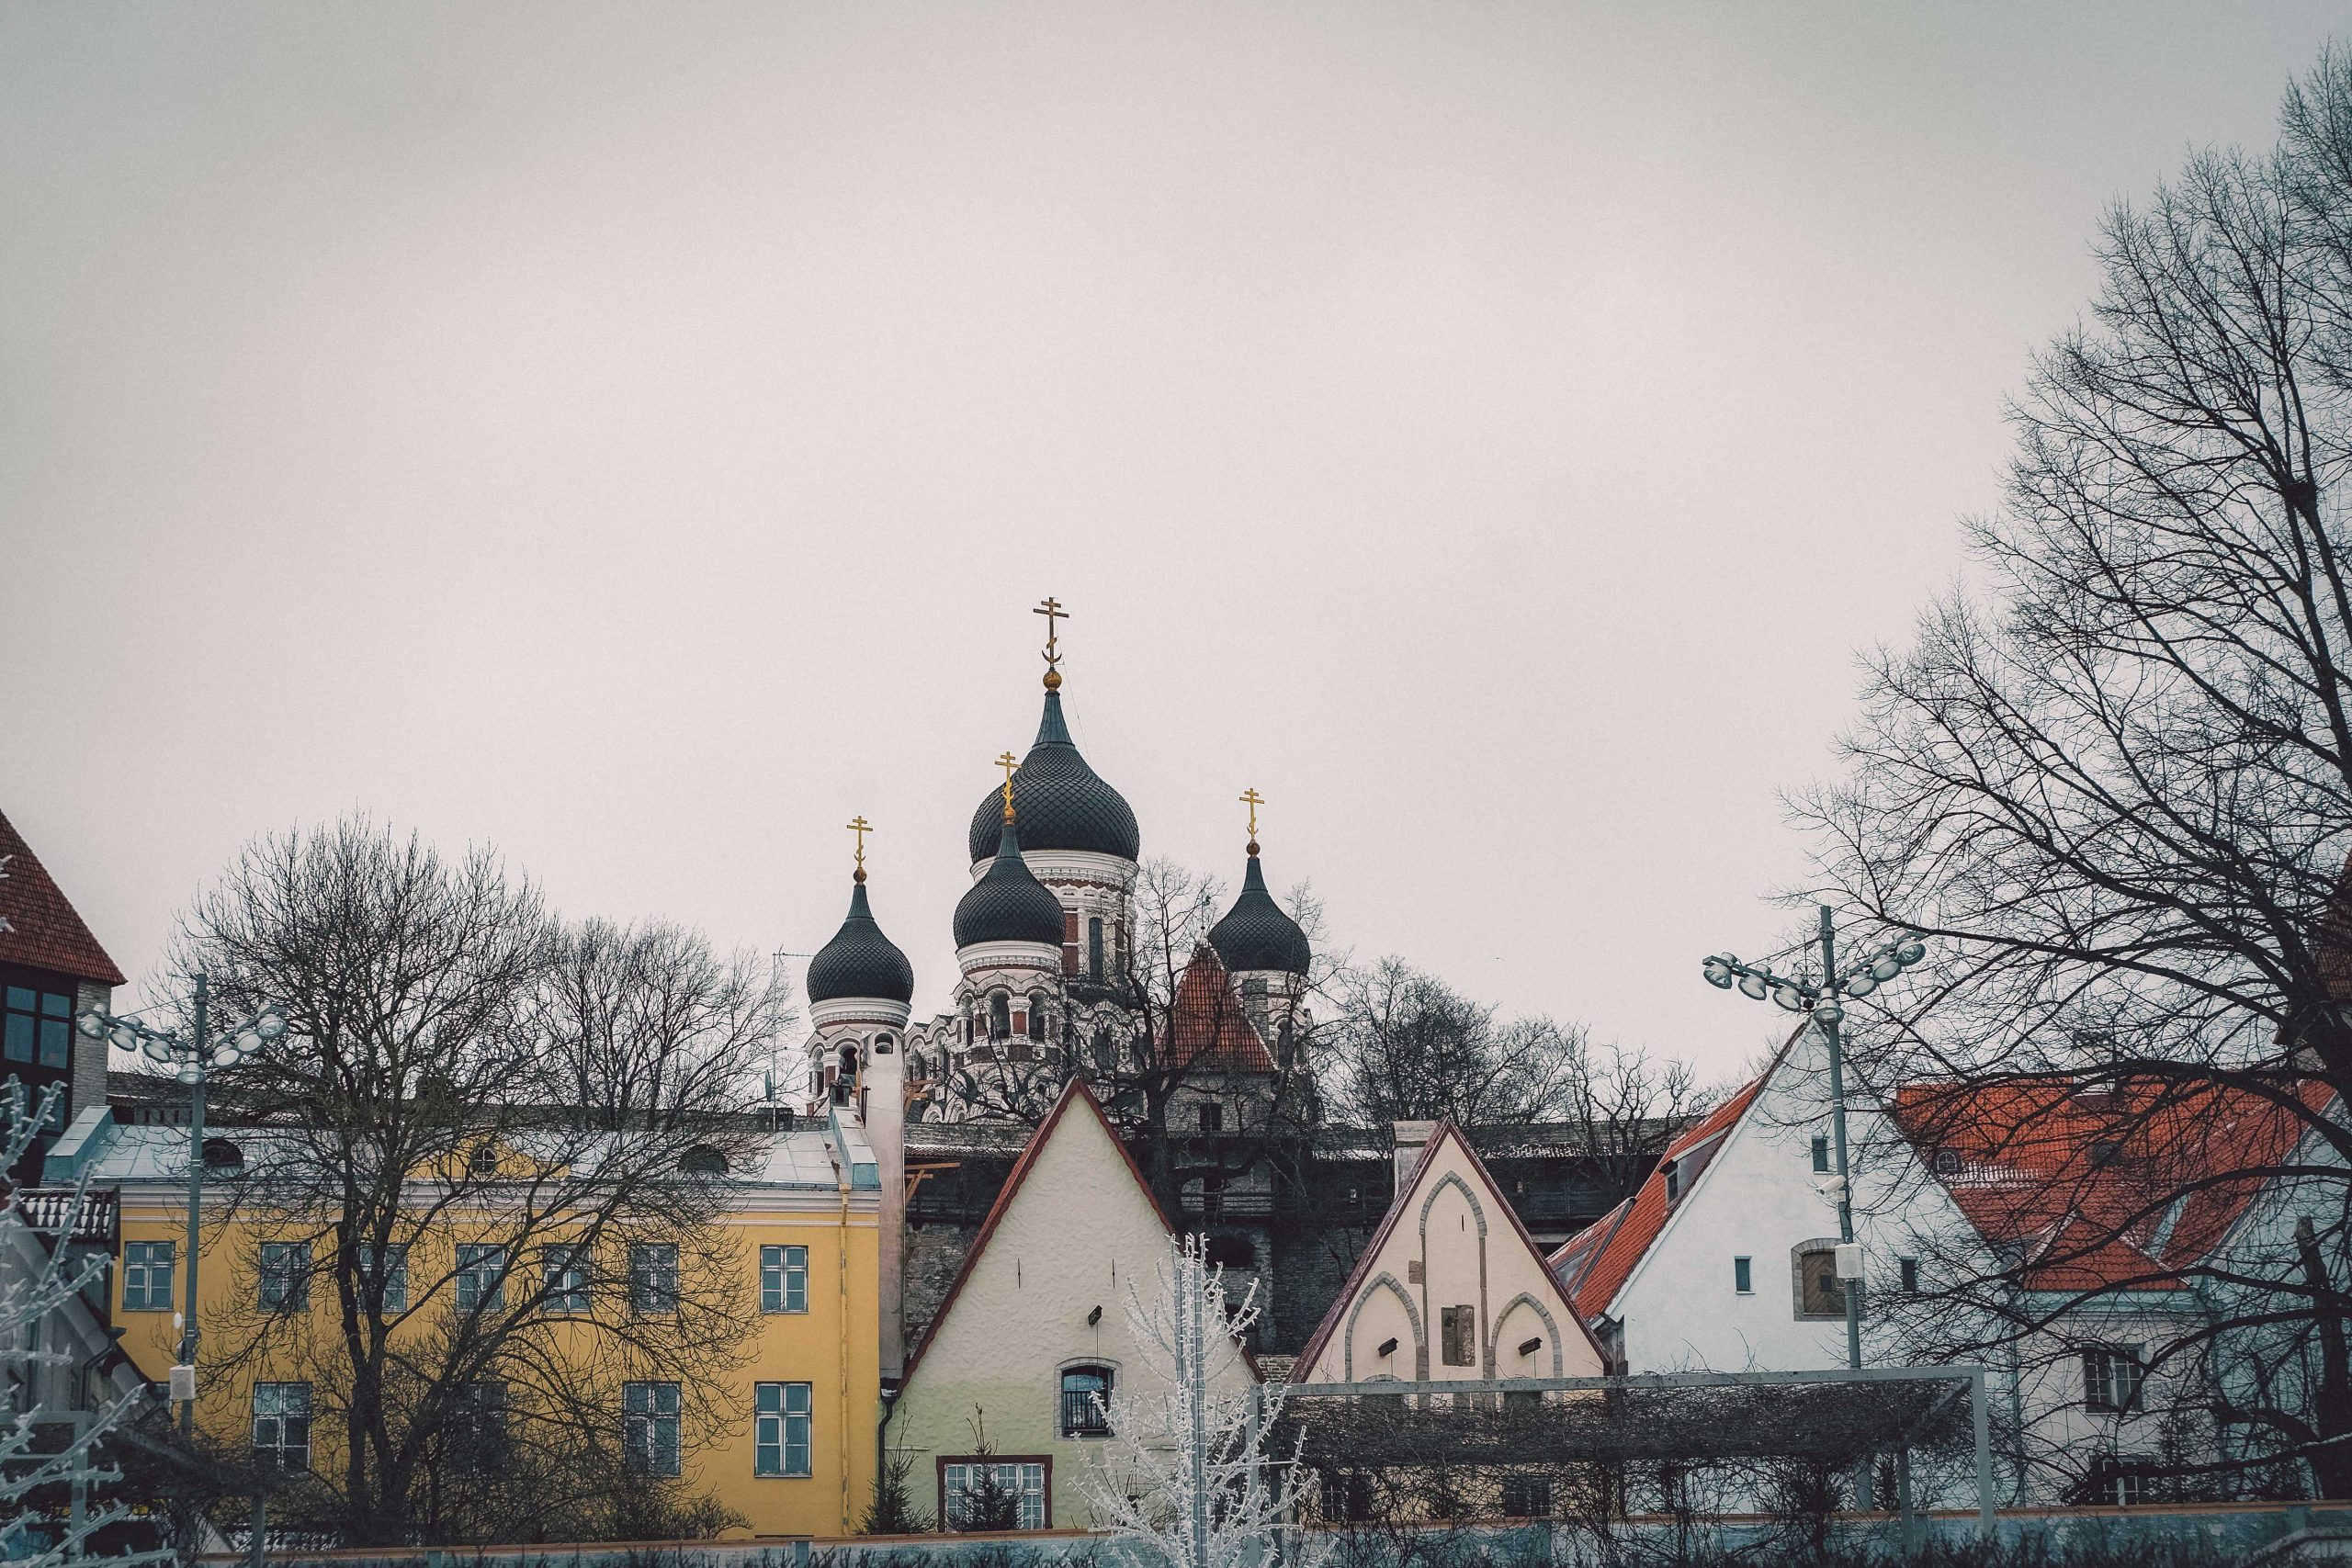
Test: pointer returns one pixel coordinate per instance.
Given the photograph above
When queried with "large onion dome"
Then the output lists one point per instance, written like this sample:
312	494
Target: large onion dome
860	961
1007	904
1255	933
1062	802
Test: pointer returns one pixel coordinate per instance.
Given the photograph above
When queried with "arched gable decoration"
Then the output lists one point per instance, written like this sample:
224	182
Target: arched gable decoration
1386	1281
1476	1208
1550	1333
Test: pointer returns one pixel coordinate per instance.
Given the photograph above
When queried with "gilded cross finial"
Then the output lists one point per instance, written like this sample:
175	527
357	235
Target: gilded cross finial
1051	608
860	827
1253	800
1008	763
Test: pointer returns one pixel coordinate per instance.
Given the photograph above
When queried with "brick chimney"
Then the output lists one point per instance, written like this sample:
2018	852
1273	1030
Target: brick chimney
1412	1138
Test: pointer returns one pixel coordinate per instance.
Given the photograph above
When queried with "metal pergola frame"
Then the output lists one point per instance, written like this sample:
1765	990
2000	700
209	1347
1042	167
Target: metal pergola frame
1980	1419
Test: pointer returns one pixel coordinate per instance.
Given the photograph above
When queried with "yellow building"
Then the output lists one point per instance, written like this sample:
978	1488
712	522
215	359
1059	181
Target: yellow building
780	1426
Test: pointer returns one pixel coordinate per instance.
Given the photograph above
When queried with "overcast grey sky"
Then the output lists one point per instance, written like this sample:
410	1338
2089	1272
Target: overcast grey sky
633	435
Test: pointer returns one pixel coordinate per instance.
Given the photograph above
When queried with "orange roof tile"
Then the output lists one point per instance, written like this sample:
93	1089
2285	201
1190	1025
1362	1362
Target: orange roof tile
2100	1186
38	925
1208	1023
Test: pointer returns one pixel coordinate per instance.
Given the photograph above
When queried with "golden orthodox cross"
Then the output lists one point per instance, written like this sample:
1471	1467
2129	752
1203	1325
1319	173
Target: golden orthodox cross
1051	608
1008	763
1253	800
860	827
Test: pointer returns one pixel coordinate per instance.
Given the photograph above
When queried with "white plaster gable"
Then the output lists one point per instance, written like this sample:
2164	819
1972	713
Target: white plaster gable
1449	1240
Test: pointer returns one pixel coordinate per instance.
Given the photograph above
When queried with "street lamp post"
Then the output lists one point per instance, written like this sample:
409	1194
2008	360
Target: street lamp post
1821	999
193	1059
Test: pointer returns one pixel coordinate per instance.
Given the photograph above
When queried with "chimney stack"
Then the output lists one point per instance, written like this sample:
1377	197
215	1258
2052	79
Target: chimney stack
1412	1138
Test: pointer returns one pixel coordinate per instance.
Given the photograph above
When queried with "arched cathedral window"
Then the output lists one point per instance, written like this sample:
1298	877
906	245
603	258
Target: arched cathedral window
999	1015
1036	1015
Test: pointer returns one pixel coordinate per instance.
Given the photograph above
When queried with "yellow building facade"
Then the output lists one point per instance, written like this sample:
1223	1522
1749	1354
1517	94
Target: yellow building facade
781	1427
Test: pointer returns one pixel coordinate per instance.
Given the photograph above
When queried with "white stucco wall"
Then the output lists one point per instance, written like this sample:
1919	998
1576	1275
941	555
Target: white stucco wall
1760	1198
1454	1244
1080	1234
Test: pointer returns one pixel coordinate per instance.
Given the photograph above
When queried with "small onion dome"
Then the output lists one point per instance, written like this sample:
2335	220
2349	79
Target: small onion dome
860	961
1062	802
1255	933
1007	904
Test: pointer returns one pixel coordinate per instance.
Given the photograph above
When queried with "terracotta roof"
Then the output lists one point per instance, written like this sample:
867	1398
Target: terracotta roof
1208	1023
1605	1252
2098	1186
1074	1092
1304	1367
37	926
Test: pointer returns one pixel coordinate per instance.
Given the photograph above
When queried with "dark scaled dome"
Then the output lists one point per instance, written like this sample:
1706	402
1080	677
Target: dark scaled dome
860	961
1255	933
1061	802
1007	904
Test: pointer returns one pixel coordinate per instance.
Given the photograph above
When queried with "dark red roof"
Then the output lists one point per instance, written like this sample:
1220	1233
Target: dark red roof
2105	1186
1207	1022
1595	1263
1304	1367
37	926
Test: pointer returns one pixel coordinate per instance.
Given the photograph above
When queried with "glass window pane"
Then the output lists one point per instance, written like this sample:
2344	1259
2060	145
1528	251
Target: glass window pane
56	1006
20	998
19	1038
56	1043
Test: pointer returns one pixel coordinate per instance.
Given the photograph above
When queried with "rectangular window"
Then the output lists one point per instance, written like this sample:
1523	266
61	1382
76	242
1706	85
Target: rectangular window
563	1279
147	1275
391	1265
1086	1402
976	1494
1094	948
1211	1116
1212	1198
40	1027
784	1278
1819	1293
282	1424
286	1276
1527	1497
2112	1376
780	1439
1907	1274
650	1426
1674	1181
1459	1326
653	1278
481	1278
478	1428
1821	1154
1743	1276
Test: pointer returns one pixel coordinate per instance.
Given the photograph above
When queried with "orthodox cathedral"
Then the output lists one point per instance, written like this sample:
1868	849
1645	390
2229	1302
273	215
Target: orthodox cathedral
1044	956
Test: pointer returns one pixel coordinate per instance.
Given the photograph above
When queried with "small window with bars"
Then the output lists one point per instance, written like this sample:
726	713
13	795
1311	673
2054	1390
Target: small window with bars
1086	1402
1527	1497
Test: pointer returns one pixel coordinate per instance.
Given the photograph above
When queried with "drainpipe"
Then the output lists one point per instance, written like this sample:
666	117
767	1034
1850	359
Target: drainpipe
841	1313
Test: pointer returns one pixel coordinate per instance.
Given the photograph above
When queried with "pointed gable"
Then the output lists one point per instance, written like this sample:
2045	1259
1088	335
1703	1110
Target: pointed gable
1208	1025
39	927
1453	1278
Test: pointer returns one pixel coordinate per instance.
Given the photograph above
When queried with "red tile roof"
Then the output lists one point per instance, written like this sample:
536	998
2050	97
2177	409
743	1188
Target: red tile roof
2103	1186
37	926
1208	1023
1595	1263
1304	1367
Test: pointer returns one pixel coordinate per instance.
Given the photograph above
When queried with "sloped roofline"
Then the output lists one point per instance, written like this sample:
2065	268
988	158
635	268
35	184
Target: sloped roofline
1446	1129
1074	1091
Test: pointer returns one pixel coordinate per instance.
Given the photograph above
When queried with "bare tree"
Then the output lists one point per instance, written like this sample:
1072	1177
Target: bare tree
1406	1045
479	1182
2116	782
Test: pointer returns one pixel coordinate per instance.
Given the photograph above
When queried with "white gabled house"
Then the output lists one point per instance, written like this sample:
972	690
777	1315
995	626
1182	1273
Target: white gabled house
1725	1258
1451	1288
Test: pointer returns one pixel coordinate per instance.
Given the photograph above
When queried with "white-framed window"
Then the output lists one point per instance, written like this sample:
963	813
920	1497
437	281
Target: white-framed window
563	1279
282	1424
650	1426
147	1275
285	1276
1527	1497
482	1277
390	1264
784	1278
653	1278
982	1494
2113	1377
781	1414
